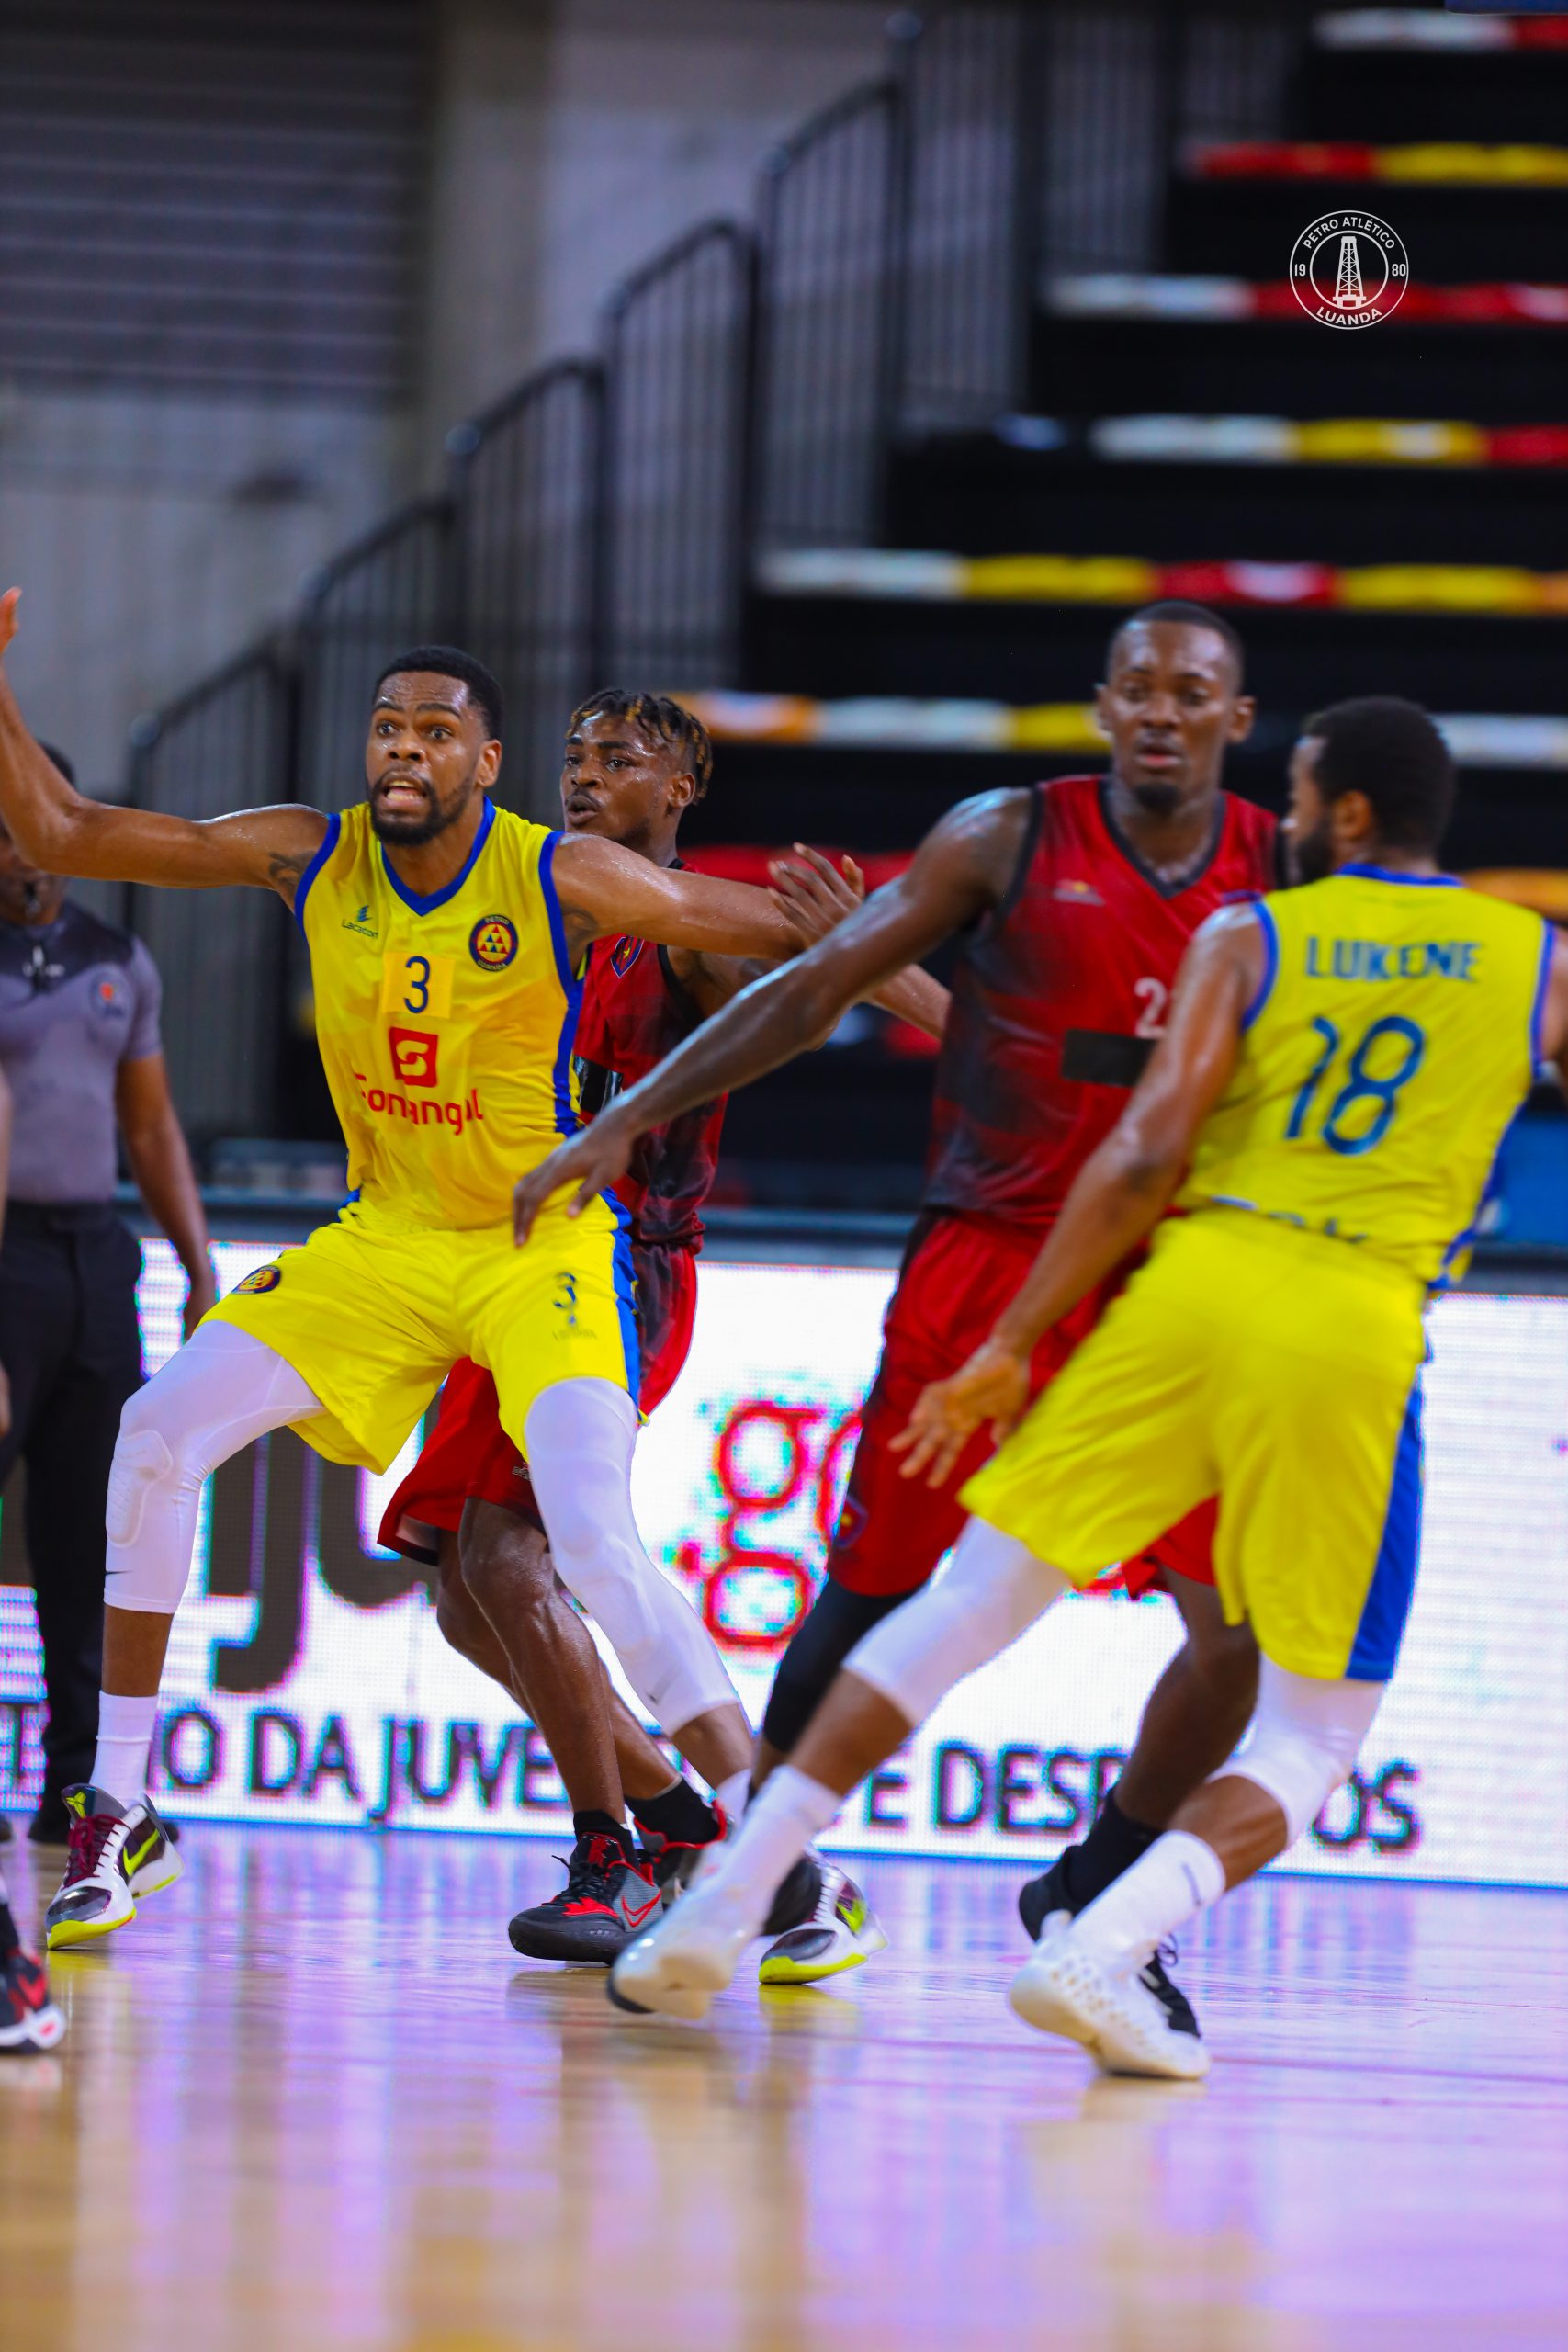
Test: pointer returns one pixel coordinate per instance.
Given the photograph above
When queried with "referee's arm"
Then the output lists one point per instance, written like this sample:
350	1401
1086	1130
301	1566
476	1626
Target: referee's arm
160	1164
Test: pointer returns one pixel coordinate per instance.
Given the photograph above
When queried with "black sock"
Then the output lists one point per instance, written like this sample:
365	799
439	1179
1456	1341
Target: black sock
602	1824
1112	1846
680	1814
9	1938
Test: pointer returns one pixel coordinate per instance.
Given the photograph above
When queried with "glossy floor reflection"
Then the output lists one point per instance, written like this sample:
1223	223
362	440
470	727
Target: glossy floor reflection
310	2099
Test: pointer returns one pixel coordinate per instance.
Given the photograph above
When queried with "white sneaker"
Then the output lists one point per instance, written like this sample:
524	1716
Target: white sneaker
119	1853
679	1964
1062	1988
842	1932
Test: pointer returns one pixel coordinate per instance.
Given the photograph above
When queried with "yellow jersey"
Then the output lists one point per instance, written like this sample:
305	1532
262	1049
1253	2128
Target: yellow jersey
446	1023
1393	1038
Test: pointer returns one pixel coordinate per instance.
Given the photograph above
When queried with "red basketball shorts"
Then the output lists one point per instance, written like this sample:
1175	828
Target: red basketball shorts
958	1275
469	1454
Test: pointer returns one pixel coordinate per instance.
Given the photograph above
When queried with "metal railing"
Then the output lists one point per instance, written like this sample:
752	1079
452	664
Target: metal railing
675	509
525	546
600	524
829	321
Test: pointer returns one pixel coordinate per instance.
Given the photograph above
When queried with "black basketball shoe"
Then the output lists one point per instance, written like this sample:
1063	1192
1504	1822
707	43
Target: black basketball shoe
607	1900
1039	1897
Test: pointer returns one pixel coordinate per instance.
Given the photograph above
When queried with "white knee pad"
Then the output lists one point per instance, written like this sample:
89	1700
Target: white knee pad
140	1460
993	1591
216	1393
581	1434
1304	1740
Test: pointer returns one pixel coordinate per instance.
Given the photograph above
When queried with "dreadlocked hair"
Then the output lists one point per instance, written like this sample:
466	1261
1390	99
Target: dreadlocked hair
668	722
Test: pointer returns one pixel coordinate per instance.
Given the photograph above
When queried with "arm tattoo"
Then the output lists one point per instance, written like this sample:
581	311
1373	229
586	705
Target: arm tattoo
284	868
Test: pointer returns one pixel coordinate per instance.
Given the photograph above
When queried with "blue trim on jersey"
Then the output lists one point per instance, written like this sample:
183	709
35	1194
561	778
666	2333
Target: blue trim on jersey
1416	881
1538	1010
329	842
625	1276
566	1119
439	897
1265	989
1387	1605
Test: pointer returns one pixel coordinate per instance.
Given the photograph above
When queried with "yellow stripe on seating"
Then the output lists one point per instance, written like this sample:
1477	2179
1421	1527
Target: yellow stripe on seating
1062	579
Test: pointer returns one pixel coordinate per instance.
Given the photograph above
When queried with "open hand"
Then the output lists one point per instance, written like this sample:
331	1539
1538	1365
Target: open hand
8	604
816	894
593	1160
992	1386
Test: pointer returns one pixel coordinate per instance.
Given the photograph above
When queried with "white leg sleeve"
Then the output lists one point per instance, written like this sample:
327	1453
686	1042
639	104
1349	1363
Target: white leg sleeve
579	1436
993	1591
220	1390
1304	1740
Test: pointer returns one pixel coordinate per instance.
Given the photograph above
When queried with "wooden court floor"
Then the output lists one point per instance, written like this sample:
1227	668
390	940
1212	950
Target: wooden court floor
311	2098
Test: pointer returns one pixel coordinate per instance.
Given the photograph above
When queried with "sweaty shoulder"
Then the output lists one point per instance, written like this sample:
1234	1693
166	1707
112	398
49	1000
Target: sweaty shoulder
988	836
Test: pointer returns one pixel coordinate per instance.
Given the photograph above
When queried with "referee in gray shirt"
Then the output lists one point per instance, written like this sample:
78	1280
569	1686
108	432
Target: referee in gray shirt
79	1058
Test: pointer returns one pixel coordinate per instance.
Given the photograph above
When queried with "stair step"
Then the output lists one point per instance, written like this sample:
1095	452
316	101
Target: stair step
977	494
838	646
1457	234
1469	92
1503	374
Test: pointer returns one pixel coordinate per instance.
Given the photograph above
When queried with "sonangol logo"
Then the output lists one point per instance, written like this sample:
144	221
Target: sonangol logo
1349	270
263	1278
492	943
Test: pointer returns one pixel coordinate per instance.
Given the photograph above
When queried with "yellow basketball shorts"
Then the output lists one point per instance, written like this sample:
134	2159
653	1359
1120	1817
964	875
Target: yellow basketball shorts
1275	1369
372	1311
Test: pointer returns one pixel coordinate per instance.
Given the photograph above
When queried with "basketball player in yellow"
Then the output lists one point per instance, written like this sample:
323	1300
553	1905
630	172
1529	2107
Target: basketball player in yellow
446	942
1342	1062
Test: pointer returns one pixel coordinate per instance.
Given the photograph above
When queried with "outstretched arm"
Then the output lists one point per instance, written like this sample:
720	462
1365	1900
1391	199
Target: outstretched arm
963	867
63	832
604	888
1118	1196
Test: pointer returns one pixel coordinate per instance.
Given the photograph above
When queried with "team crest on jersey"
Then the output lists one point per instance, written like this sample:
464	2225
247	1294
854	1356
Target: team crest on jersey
1078	894
263	1278
623	955
492	943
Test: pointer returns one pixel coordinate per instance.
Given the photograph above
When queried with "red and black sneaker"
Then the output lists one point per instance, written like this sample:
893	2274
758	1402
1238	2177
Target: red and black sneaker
28	2019
607	1900
674	1860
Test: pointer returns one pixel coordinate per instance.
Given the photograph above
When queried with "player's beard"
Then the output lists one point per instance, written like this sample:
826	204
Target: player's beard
1158	799
404	835
1312	855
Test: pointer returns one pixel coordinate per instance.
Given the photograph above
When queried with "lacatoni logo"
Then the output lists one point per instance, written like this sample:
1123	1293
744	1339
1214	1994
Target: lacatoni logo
387	1103
1349	270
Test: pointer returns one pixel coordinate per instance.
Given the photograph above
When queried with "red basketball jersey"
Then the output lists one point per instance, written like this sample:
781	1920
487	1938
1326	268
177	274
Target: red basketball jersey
634	1013
1059	994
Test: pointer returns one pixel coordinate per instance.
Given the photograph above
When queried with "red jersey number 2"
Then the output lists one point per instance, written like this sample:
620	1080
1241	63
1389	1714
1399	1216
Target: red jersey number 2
1153	998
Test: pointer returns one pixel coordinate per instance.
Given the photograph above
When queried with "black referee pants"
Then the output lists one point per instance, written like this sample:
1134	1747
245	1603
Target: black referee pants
72	1347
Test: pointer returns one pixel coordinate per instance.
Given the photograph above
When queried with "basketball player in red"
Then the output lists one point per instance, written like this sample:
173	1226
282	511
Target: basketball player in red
633	764
1072	903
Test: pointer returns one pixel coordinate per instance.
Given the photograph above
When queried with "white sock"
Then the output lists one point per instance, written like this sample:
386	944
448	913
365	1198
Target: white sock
1178	1877
732	1793
125	1734
781	1822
